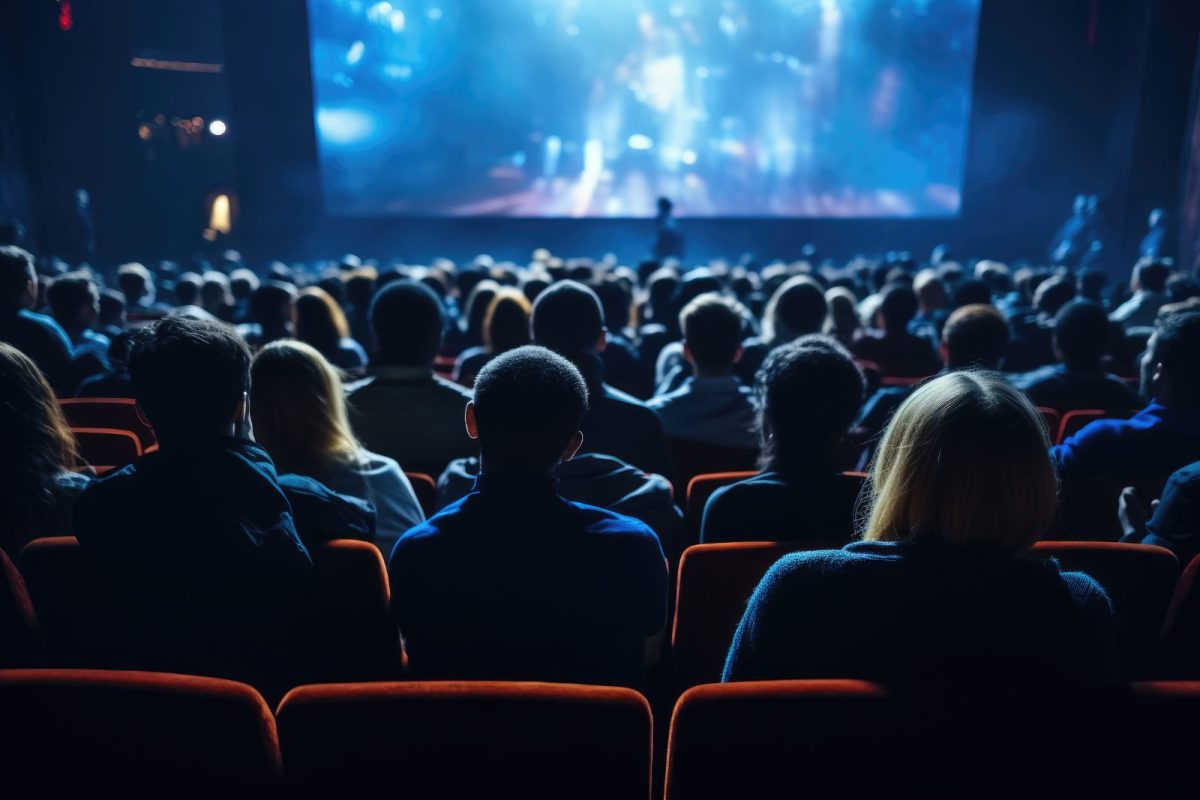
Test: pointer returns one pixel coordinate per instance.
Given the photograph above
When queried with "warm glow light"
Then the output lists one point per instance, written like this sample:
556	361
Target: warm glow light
220	217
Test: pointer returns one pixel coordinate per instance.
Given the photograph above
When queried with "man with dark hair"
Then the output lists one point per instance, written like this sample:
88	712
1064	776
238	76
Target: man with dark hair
809	392
137	284
896	352
403	410
567	318
1081	331
35	335
206	541
1162	437
75	304
513	582
1148	284
111	319
712	406
974	337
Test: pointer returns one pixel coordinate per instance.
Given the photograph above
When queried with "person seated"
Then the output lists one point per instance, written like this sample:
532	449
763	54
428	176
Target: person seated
514	582
38	457
203	540
115	381
809	392
1081	330
1165	435
975	336
842	322
1175	523
321	323
942	592
567	318
895	351
403	410
797	308
137	285
711	407
505	327
111	320
272	312
299	415
1148	284
35	335
623	365
932	306
216	295
75	305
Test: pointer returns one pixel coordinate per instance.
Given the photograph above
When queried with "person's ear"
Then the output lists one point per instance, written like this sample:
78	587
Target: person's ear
573	446
737	354
602	342
944	352
472	423
1160	384
241	414
687	353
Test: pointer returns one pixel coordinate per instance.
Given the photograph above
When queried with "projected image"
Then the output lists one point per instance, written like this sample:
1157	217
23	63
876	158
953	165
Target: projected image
595	108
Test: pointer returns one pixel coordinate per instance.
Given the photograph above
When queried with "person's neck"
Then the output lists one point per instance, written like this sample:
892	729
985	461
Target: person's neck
713	374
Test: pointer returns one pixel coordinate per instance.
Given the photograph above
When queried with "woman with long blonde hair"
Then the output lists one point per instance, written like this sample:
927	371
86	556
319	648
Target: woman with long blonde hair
298	412
942	589
37	456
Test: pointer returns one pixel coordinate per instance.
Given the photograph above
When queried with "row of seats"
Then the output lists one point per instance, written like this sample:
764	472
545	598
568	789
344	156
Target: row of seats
1158	610
98	733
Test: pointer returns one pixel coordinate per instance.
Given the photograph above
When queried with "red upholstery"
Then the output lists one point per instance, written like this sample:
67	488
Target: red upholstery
343	634
1181	631
119	413
106	449
88	733
699	489
425	487
434	740
851	739
691	459
715	582
1053	420
18	623
1139	580
1075	421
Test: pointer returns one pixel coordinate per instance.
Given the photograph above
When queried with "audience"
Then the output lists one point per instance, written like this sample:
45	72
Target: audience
1148	285
75	305
1081	331
842	320
897	352
1175	523
712	406
505	327
37	459
567	318
36	335
321	323
403	410
271	313
941	592
1165	435
797	308
809	391
513	581
299	418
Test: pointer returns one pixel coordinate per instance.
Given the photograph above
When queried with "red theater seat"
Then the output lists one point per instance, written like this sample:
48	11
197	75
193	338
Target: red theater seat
715	582
1052	419
1075	421
1181	631
117	413
425	488
1139	579
692	459
91	733
838	739
106	449
699	489
18	623
468	740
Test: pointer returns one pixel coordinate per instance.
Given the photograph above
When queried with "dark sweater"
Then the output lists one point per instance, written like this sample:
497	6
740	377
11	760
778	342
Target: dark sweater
912	615
777	507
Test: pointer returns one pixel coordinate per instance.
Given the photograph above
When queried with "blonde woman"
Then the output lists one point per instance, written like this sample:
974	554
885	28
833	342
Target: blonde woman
942	590
299	417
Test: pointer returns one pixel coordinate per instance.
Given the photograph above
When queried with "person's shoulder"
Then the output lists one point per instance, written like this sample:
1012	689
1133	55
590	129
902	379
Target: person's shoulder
1087	592
806	569
617	396
602	522
369	463
433	531
1034	378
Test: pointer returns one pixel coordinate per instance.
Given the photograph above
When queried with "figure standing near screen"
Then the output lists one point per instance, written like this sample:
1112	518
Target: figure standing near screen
668	241
1154	243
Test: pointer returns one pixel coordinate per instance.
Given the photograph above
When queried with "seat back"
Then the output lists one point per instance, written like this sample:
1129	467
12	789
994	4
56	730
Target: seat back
116	413
691	459
18	623
699	489
426	740
425	488
1075	421
91	733
715	582
828	738
342	633
106	449
1181	631
1139	579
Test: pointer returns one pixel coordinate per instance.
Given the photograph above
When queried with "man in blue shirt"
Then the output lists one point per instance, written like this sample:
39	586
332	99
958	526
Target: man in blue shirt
35	335
1163	436
514	582
712	406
